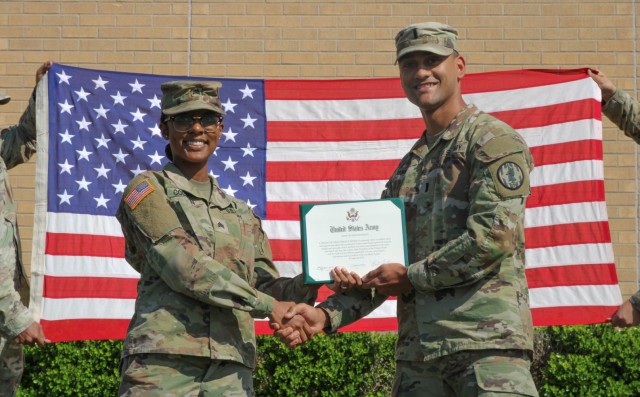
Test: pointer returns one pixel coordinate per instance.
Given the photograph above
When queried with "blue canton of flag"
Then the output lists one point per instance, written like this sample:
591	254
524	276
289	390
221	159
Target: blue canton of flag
104	130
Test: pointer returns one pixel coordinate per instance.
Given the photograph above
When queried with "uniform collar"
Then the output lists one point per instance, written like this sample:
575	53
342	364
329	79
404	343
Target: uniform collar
218	197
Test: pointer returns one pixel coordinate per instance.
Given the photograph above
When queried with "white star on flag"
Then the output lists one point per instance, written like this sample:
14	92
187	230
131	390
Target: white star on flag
247	92
248	121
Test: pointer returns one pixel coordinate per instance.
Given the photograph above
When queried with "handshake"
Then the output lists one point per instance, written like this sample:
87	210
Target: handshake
295	324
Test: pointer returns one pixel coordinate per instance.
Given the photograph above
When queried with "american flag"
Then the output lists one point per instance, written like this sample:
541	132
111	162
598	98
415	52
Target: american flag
290	142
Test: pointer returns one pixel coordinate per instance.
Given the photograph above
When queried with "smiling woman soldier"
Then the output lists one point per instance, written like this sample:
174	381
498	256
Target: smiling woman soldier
204	261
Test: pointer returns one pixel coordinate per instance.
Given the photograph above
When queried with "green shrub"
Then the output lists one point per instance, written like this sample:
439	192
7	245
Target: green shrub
87	369
597	360
344	365
580	361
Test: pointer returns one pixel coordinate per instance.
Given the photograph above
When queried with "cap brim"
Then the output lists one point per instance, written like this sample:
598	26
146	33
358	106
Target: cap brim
427	47
191	106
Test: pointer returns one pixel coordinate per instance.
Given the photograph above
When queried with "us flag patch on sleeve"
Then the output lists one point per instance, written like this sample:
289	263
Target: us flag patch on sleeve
141	191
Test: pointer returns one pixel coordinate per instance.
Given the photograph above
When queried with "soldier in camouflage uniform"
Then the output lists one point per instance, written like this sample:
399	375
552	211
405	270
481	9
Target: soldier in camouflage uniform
623	111
17	326
464	324
204	262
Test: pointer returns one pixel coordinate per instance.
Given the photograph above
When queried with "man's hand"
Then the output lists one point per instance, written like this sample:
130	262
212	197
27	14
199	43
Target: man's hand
626	316
388	279
316	319
44	68
277	320
606	86
32	335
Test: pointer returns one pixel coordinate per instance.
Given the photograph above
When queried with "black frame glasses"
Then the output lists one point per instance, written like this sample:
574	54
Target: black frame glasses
184	122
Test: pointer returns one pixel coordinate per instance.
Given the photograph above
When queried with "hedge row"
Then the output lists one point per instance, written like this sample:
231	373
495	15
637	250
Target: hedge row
594	361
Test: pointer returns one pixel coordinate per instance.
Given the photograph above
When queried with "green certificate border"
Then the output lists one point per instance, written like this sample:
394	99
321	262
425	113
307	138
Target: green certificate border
304	210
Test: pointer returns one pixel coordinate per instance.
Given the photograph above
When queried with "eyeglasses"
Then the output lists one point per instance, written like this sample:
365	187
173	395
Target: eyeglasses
184	122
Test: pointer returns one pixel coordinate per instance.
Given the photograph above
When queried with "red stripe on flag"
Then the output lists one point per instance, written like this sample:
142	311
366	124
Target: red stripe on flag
512	79
391	88
567	234
552	114
84	329
84	245
318	171
90	287
553	276
286	250
567	152
571	315
341	131
333	89
566	193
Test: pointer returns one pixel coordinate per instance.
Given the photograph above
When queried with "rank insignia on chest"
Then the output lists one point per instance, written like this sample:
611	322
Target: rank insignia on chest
220	225
135	196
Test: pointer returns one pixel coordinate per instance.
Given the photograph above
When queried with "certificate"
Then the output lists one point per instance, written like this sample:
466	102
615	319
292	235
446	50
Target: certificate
356	235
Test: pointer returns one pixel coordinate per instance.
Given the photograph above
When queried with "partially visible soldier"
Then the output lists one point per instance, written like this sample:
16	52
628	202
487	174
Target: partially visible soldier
464	323
17	326
623	111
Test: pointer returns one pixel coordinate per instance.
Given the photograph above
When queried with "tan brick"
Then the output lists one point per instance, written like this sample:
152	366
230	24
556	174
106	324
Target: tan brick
225	58
281	71
300	34
79	7
319	46
9	7
355	45
25	45
60	20
560	59
88	32
301	9
263	58
387	9
24	20
248	71
263	33
522	59
117	8
299	59
156	8
309	72
41	7
352	72
265	9
371	59
333	9
253	20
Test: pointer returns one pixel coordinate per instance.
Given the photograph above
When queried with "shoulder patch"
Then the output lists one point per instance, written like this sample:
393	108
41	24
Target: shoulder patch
510	176
138	193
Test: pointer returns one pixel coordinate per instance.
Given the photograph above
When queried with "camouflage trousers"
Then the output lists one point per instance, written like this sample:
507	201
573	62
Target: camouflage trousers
469	373
11	367
172	375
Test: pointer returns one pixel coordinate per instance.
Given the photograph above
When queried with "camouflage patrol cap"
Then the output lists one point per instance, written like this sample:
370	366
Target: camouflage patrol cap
187	95
4	98
434	37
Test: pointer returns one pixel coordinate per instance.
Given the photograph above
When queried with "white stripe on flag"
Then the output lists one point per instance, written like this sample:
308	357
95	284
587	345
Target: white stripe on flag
563	255
578	295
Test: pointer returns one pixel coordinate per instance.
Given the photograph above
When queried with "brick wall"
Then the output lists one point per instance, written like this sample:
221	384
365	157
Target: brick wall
311	39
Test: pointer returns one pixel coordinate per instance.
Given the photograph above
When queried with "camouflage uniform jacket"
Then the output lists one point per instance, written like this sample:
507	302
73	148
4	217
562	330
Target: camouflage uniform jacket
464	208
17	145
624	112
205	270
